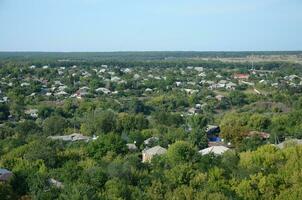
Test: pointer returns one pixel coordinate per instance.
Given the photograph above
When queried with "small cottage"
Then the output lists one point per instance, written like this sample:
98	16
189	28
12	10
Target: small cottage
148	154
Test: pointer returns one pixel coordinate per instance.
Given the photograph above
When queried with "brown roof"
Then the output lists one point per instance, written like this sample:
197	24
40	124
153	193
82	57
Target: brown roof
262	135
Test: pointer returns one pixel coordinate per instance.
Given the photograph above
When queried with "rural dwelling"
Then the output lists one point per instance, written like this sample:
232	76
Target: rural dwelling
103	90
131	147
83	91
262	135
241	76
32	112
213	133
72	138
287	143
148	154
221	143
55	183
230	86
217	150
5	175
151	140
219	97
148	90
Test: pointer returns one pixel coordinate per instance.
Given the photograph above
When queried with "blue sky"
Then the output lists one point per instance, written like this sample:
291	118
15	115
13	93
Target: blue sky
144	25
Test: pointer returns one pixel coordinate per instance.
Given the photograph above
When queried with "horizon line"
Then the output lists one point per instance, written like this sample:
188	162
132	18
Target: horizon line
149	51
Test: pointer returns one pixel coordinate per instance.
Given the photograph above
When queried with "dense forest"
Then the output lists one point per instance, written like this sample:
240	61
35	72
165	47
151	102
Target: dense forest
150	125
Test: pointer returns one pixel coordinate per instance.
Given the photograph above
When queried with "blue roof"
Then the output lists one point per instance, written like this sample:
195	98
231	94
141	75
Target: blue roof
4	171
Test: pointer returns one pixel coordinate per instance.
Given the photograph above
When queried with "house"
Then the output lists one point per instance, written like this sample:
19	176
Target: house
127	70
151	140
190	91
199	69
83	91
198	106
72	138
5	175
287	143
55	183
178	83
221	143
115	79
62	87
257	91
219	97
102	70
217	150
212	129
263	82
131	146
191	83
148	154
32	94
148	90
136	76
103	90
230	86
262	135
246	83
213	133
25	84
4	100
291	77
241	76
32	112
58	83
193	111
202	74
61	93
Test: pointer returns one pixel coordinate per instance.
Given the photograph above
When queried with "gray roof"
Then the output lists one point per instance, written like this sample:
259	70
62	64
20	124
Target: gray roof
150	140
218	150
288	143
157	150
4	171
131	146
5	175
72	137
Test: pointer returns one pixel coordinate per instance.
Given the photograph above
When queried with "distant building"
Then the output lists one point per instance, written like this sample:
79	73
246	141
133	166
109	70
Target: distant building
219	97
55	183
217	150
213	133
287	143
32	112
5	175
241	76
71	138
151	140
230	86
148	154
262	135
103	90
131	147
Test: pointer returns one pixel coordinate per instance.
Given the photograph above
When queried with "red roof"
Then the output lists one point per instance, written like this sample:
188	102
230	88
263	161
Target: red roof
241	76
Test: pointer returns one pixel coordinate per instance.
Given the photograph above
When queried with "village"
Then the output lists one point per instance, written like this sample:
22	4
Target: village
155	116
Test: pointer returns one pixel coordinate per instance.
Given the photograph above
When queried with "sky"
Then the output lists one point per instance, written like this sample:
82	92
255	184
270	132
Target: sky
150	25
